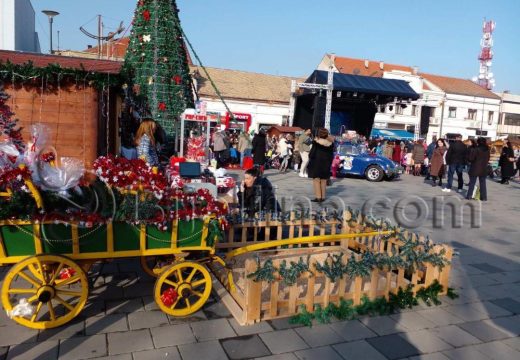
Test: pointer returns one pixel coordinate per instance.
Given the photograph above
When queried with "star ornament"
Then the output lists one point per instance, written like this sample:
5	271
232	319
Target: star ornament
147	38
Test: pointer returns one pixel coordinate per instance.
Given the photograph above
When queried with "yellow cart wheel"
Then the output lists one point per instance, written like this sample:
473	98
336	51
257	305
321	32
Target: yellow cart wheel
55	287
155	265
183	288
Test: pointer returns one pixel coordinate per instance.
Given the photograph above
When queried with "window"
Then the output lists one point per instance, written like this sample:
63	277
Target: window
490	117
472	114
414	110
396	126
399	109
452	112
512	119
432	112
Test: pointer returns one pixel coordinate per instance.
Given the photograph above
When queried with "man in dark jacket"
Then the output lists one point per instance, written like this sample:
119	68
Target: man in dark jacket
478	158
456	159
429	154
256	193
259	147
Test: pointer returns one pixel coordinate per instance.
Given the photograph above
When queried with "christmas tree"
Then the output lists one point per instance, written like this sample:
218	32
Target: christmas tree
8	125
157	62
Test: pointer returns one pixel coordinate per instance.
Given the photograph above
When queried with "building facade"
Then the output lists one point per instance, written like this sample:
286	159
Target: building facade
447	105
17	26
509	122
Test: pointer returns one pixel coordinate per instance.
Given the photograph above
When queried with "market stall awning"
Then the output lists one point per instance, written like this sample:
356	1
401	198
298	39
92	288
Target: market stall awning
365	84
392	134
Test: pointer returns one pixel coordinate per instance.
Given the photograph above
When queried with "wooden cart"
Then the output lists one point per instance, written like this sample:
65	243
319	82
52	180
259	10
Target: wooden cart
47	286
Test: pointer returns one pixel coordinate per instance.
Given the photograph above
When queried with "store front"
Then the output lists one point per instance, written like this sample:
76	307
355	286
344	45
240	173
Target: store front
240	123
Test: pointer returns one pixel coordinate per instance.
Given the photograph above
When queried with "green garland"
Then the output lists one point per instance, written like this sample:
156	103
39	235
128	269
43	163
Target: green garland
379	306
291	274
54	75
263	273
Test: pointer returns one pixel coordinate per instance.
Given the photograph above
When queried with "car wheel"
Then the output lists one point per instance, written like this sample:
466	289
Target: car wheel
374	173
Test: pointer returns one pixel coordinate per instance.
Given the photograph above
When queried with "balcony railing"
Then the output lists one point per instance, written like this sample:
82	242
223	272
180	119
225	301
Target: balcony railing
508	129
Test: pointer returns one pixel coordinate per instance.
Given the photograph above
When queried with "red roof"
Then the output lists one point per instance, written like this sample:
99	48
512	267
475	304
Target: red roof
42	60
117	49
459	86
366	67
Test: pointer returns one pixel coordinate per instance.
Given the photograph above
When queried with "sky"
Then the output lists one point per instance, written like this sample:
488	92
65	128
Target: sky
290	37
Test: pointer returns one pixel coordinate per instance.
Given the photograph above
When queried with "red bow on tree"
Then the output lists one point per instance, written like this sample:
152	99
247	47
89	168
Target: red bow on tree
162	106
177	79
146	15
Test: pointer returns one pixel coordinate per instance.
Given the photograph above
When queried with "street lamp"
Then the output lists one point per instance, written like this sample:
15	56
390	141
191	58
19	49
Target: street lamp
50	14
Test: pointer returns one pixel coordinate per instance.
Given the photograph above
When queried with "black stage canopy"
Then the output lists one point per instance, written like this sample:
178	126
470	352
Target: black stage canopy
355	101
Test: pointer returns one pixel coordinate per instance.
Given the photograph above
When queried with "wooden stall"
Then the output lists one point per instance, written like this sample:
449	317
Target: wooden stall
81	117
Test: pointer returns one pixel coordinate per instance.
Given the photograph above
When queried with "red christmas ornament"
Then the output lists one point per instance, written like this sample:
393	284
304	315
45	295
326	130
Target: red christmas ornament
177	79
66	273
146	15
169	297
162	106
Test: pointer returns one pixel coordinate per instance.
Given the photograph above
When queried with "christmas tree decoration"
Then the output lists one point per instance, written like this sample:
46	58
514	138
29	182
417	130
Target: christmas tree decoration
8	125
156	51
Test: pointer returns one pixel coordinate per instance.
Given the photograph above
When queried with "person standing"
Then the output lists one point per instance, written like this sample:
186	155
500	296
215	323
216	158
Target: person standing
304	143
320	162
438	162
478	158
145	142
456	160
429	154
506	162
285	150
244	147
396	155
259	148
418	154
221	146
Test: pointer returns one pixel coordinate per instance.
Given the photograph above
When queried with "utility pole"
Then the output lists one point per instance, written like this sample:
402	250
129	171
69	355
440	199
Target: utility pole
442	116
100	34
330	85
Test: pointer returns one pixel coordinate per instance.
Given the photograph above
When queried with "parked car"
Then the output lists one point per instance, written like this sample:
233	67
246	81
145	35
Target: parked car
355	159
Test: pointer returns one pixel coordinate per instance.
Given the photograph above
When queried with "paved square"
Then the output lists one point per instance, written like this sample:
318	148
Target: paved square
245	347
393	346
283	341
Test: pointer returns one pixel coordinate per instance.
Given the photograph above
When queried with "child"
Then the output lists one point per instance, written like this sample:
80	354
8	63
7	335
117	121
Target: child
335	166
235	159
409	163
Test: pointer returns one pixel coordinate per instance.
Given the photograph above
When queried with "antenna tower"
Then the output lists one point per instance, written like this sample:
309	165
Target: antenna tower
485	77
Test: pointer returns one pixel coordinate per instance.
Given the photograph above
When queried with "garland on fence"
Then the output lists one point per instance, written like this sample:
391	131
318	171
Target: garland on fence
334	269
54	74
379	306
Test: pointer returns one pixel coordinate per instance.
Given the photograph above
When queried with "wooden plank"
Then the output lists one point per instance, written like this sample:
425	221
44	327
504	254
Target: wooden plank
273	296
230	303
293	297
374	282
253	295
309	298
356	296
444	275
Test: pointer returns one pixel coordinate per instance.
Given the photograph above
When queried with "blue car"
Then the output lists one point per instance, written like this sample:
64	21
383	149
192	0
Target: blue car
355	159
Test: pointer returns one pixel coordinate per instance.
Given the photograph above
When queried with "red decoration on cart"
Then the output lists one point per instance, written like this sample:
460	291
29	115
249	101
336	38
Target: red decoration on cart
169	297
66	273
195	149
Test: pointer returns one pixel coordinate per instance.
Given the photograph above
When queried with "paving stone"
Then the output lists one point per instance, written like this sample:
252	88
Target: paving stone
137	290
485	267
287	356
106	324
150	304
483	331
198	316
212	329
383	325
76	327
93	308
172	335
147	319
84	347
491	309
425	341
116	357
124	306
16	334
440	317
497	349
509	325
3	352
413	321
168	353
436	356
508	304
106	293
208	350
322	353
283	341
358	350
465	353
506	277
319	335
244	347
455	336
42	351
282	324
466	312
216	310
129	341
512	343
257	328
352	330
393	346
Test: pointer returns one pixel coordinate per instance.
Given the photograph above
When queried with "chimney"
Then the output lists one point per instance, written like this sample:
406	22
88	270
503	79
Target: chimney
366	64
415	70
89	46
381	65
